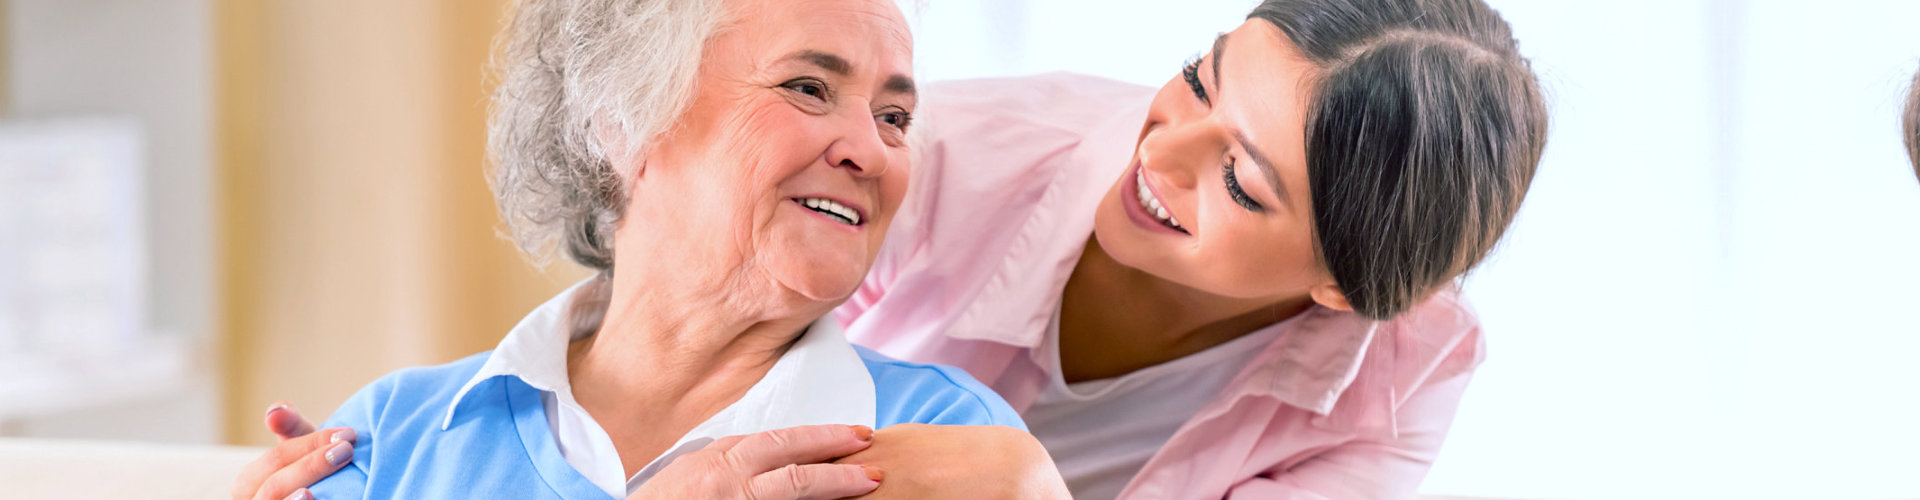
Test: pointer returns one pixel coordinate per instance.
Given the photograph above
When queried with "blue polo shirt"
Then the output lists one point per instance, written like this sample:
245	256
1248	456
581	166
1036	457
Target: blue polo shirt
499	445
484	426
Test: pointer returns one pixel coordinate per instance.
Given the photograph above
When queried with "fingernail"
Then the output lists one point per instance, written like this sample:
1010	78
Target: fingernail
873	473
863	432
346	434
277	407
339	454
300	494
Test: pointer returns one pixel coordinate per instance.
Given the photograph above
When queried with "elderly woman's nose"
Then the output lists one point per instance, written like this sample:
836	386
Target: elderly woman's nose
857	146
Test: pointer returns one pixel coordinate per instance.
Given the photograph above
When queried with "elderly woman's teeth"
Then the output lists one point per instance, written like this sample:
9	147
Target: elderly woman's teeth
845	214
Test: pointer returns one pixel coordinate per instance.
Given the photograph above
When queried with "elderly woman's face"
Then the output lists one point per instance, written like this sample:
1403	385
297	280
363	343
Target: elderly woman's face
792	159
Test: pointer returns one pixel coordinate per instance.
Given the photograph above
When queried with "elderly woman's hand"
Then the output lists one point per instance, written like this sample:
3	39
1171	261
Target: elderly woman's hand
961	461
780	464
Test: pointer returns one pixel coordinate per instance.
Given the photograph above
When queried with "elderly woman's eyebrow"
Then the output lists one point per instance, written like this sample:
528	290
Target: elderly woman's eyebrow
832	63
900	84
839	66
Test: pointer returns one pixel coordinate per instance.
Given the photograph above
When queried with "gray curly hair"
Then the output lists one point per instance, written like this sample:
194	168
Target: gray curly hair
573	72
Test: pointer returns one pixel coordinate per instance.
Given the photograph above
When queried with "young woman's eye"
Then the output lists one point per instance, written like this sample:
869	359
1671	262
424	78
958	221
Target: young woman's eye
1192	74
807	86
1240	195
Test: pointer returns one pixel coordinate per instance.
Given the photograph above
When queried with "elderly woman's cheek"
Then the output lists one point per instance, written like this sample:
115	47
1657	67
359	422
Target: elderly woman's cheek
807	252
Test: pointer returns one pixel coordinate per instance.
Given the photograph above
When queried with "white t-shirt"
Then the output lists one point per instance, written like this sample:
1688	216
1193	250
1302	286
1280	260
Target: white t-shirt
1101	432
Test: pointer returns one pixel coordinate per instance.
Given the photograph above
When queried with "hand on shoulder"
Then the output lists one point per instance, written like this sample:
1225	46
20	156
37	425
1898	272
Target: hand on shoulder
960	462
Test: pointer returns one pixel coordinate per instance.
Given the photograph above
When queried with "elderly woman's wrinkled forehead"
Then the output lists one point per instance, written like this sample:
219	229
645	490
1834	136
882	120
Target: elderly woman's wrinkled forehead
875	25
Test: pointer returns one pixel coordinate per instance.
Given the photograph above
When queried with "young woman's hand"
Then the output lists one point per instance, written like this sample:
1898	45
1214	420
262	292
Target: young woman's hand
781	464
302	458
961	462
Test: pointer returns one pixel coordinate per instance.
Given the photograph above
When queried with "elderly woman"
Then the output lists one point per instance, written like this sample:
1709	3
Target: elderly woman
730	168
1237	285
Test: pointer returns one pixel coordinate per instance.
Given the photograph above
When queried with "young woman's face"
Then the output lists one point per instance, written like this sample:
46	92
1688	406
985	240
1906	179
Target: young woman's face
1216	198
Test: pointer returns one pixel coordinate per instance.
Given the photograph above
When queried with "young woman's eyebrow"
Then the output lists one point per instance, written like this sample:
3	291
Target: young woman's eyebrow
1265	166
1260	159
1219	45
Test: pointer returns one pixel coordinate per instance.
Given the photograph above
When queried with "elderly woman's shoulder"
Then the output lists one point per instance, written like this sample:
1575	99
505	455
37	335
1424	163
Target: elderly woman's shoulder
919	393
409	392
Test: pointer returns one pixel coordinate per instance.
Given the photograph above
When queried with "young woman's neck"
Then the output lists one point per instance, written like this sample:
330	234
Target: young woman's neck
1115	319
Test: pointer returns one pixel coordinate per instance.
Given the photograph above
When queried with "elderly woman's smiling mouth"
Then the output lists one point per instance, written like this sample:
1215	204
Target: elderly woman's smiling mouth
847	214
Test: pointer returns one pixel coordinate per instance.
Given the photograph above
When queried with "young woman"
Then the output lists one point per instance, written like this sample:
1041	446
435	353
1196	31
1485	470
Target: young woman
1238	285
1912	121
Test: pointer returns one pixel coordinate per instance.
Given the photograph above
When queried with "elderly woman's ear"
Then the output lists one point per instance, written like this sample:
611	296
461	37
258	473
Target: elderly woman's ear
611	137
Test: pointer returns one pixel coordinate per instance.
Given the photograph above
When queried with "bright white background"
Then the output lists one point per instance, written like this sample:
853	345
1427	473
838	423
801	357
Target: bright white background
1711	291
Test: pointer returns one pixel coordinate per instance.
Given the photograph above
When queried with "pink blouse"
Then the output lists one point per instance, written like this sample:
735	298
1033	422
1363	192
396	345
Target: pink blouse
1000	207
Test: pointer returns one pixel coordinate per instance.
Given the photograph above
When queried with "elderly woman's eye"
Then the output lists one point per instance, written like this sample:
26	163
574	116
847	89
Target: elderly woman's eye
807	86
898	119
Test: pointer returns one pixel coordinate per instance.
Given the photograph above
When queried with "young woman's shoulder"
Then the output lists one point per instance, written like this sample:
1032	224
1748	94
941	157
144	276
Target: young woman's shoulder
1439	338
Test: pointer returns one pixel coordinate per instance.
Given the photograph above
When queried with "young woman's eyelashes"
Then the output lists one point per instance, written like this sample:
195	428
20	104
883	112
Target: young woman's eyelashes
1192	74
1238	194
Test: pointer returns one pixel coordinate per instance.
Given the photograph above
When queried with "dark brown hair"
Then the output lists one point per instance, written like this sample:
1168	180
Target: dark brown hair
1913	124
1423	132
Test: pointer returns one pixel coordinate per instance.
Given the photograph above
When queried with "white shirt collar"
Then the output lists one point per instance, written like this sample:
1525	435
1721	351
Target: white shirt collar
820	380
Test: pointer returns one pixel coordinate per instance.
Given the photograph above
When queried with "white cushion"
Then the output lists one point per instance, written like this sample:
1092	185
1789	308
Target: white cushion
45	468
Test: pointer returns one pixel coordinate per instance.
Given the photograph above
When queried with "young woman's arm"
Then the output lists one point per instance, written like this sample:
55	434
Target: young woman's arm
961	462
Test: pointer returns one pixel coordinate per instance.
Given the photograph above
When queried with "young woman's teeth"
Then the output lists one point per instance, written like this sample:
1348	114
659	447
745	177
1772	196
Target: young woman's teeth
1151	204
834	209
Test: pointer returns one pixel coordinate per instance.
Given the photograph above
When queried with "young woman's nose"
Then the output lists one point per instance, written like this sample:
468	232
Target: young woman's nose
1177	152
856	143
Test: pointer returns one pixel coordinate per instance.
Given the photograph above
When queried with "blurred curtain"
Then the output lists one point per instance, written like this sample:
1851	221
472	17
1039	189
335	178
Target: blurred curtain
357	234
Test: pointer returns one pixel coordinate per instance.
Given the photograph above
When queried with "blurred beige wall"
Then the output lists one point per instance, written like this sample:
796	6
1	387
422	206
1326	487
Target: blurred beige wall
357	234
